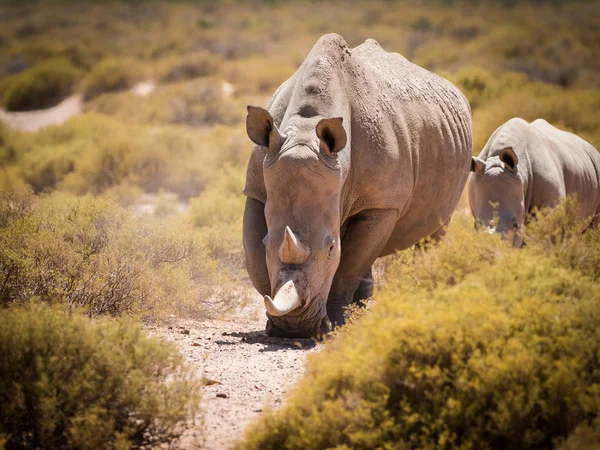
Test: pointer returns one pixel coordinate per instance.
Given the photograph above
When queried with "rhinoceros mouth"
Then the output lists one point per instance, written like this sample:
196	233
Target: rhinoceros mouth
319	331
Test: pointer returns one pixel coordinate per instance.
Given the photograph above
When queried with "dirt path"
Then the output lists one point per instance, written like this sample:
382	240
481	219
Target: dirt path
253	371
71	106
34	120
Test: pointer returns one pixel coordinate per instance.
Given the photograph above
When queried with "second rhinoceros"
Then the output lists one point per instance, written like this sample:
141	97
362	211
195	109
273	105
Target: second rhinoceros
359	154
526	166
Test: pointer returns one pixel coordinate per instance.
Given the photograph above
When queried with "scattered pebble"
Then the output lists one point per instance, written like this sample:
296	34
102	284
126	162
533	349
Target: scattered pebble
221	395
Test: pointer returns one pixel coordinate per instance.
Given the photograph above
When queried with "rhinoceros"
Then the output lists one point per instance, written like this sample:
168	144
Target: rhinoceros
527	166
358	154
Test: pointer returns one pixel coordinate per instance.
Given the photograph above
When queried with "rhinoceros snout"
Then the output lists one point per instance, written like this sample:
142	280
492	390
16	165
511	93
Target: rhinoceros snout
319	331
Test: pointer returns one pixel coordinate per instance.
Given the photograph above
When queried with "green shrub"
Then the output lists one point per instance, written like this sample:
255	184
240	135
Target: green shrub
89	253
472	344
93	153
71	382
41	86
110	75
558	234
217	213
585	437
481	86
197	103
195	65
16	202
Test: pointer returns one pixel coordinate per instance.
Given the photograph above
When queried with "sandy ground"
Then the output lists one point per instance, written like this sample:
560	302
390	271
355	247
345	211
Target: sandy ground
69	107
34	120
249	371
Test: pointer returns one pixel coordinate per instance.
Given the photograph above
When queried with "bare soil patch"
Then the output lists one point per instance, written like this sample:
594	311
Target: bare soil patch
40	118
246	370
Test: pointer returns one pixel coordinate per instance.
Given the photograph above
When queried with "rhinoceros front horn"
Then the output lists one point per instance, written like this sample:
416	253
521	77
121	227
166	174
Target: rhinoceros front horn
291	250
286	300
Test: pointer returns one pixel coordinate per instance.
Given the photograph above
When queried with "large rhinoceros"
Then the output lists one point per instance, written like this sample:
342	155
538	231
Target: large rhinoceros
525	166
358	154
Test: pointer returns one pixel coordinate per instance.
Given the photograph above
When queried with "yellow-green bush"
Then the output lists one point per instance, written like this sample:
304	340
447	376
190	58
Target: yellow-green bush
16	202
481	86
41	86
69	382
199	64
585	437
472	344
91	254
217	213
94	153
110	75
196	103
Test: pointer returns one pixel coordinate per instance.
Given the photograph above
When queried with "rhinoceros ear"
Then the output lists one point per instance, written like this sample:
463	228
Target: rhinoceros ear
509	157
261	129
477	165
332	134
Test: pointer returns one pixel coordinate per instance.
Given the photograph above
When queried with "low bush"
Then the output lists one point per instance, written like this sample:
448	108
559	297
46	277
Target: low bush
110	75
191	66
585	437
472	344
16	202
260	75
97	154
91	254
75	383
217	214
197	103
481	86
41	86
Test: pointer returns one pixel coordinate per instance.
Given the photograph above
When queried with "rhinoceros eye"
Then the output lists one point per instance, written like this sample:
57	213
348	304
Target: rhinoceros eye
331	242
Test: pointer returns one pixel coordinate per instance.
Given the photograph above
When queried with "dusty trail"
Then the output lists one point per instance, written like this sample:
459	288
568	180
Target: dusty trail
253	371
71	106
34	120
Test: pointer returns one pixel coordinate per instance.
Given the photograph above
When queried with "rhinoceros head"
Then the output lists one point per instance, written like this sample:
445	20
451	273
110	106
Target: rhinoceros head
303	181
496	195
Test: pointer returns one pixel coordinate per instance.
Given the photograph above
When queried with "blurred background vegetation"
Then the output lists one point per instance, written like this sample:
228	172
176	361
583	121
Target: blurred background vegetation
133	206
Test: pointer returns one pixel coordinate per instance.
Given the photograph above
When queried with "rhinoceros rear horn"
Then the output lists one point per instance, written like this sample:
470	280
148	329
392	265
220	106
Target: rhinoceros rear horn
261	129
332	134
291	250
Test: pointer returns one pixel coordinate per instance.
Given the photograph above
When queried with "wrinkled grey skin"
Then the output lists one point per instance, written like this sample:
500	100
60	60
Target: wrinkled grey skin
360	153
525	166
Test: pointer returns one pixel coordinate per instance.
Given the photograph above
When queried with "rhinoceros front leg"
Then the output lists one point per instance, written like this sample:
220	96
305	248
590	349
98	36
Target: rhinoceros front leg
365	287
364	239
255	229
